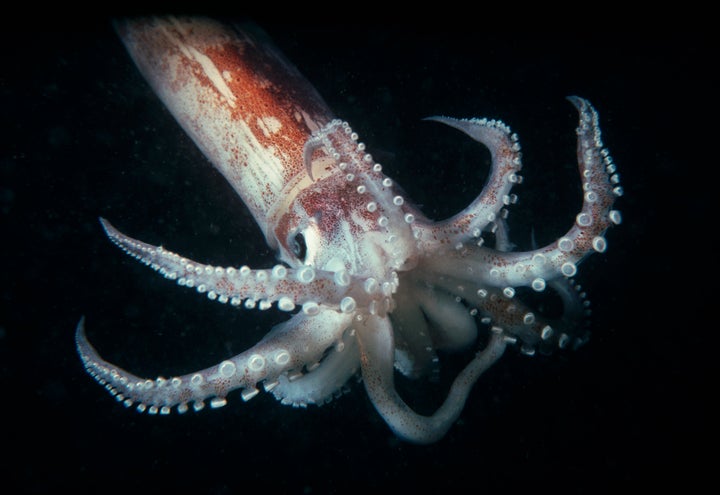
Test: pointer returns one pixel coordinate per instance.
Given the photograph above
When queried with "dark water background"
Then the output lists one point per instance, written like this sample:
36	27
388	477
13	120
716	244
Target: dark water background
83	136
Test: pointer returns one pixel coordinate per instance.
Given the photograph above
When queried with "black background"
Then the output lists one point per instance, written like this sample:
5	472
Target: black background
83	136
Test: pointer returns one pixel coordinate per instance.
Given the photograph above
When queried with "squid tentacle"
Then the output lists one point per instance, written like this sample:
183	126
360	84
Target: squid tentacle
504	312
376	358
414	352
453	327
280	353
313	289
560	258
506	163
325	380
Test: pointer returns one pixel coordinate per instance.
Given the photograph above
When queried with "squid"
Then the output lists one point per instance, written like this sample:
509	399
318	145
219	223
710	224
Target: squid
371	285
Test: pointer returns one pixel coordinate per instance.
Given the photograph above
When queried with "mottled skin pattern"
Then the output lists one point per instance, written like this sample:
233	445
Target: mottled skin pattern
373	286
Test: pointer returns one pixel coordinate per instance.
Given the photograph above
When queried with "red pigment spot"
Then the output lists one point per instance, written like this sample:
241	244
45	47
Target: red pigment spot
224	285
329	201
333	200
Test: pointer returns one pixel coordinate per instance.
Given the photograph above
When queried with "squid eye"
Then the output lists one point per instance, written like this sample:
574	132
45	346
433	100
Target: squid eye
299	248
